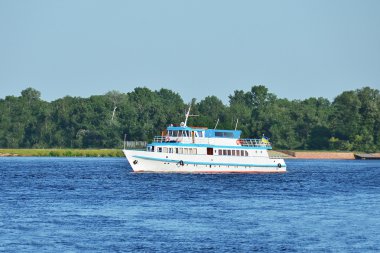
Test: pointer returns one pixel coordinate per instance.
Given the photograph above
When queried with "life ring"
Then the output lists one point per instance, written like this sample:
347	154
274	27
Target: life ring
279	165
167	139
135	162
238	142
181	163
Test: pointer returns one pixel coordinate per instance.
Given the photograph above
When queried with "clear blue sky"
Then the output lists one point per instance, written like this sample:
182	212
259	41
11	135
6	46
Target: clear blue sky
298	49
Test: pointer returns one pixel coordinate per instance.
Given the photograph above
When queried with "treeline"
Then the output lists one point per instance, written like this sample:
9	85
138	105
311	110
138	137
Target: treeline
350	122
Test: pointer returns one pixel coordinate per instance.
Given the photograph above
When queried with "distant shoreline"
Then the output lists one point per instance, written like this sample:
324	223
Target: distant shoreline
316	154
285	154
61	153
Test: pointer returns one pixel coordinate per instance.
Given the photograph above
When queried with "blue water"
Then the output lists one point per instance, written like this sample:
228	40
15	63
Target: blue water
99	205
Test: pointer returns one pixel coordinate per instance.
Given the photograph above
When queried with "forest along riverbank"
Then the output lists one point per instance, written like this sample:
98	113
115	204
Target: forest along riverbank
285	154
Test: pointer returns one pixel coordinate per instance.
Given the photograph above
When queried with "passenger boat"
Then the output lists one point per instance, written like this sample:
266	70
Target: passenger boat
185	149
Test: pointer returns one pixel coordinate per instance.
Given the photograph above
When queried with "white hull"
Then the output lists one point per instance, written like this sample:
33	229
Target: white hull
143	161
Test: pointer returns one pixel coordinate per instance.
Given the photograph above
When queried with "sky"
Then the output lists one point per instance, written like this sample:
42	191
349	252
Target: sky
296	48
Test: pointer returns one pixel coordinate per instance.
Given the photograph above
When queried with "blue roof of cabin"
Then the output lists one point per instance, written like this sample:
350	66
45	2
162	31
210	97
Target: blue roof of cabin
179	128
219	133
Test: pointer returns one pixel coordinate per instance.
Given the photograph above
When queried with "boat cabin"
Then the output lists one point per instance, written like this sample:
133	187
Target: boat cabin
203	141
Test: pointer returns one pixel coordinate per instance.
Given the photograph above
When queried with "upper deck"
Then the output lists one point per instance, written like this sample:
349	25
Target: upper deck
203	136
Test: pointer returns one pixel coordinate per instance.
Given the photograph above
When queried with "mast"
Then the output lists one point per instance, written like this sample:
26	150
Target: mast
237	120
187	115
216	124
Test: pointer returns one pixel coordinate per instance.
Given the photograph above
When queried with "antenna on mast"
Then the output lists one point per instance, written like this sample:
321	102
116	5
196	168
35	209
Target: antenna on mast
217	122
237	120
187	116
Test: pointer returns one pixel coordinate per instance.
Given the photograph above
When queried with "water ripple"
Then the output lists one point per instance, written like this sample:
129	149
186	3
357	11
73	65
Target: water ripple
99	205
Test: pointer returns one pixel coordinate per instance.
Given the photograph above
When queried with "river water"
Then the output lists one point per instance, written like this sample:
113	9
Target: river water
99	205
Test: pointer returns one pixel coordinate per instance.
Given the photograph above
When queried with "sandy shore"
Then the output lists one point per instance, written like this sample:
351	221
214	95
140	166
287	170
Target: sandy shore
324	155
7	155
318	155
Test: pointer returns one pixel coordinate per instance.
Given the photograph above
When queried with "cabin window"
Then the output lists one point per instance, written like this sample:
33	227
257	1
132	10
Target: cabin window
186	151
246	153
165	150
176	150
194	152
200	133
233	152
229	152
159	149
220	152
180	151
228	135
185	133
219	134
224	134
170	150
224	152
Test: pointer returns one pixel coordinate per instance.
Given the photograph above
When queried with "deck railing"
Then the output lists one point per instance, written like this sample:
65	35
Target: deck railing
166	139
243	142
135	144
253	143
159	139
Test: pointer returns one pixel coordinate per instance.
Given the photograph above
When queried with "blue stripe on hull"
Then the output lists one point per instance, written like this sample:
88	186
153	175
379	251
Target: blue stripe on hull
207	163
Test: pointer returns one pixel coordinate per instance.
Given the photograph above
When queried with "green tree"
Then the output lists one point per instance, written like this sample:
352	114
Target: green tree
350	122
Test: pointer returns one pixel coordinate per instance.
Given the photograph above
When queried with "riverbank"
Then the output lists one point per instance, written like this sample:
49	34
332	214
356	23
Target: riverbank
62	152
288	154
